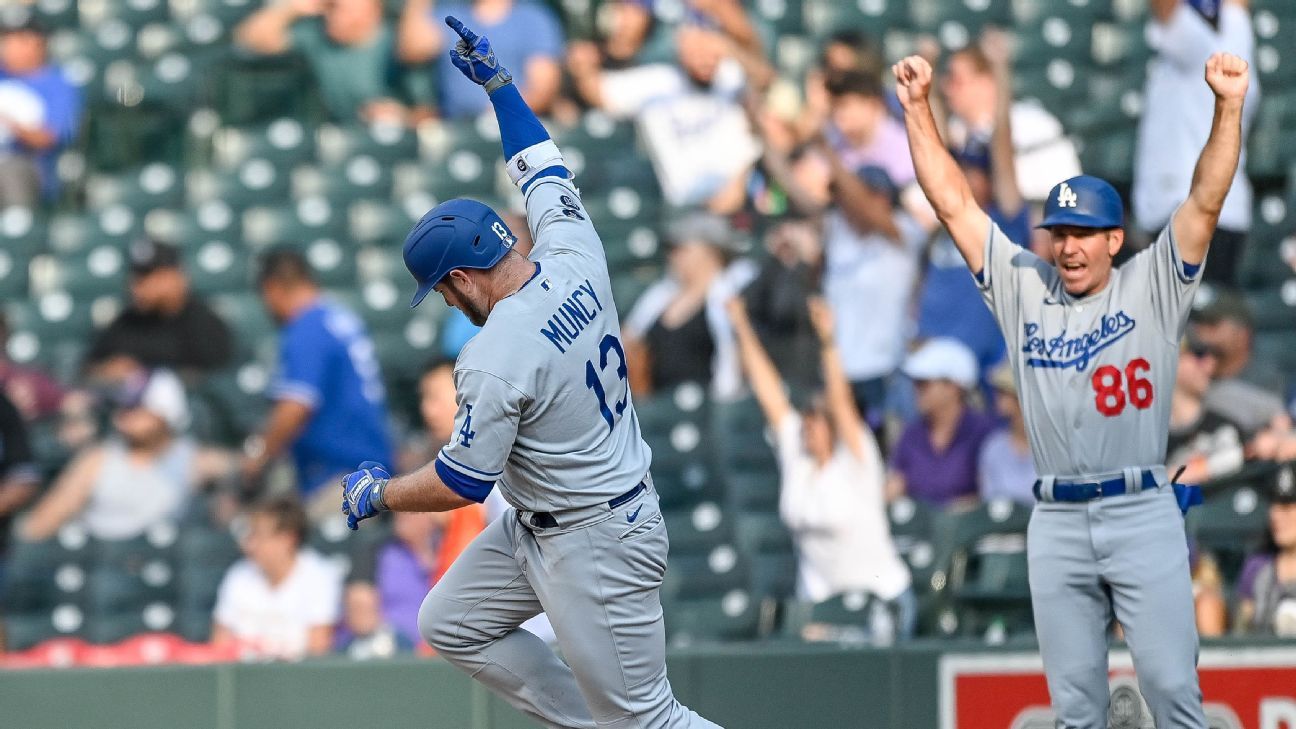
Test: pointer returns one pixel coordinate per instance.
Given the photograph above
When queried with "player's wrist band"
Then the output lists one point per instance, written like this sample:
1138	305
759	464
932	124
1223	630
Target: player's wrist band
526	164
501	79
378	497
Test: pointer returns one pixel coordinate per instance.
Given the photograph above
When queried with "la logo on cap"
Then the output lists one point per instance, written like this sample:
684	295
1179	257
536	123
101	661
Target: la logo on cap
1066	196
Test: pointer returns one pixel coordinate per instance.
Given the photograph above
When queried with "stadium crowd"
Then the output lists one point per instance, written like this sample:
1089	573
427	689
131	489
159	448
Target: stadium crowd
837	439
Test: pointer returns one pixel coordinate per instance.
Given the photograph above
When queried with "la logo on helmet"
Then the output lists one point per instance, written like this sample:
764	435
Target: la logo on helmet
1066	196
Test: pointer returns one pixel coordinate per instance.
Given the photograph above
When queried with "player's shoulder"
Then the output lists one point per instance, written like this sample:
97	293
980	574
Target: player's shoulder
501	352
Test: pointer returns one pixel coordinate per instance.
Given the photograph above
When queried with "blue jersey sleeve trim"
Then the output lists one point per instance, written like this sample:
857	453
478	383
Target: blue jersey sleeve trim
555	171
519	126
473	489
466	467
980	275
1190	270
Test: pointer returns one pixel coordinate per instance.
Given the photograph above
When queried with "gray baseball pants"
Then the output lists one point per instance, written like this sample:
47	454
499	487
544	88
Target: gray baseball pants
597	575
1125	556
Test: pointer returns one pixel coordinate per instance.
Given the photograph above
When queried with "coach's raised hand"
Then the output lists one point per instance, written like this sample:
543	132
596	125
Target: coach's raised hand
1228	76
473	56
913	81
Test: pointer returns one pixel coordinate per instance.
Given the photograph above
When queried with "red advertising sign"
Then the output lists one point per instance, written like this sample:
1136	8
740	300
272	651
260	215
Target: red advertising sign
1243	688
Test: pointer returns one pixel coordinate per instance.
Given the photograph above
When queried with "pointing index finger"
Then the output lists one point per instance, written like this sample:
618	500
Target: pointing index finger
459	28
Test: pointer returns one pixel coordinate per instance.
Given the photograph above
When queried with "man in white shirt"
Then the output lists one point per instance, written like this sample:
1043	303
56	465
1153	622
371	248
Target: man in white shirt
1177	110
282	601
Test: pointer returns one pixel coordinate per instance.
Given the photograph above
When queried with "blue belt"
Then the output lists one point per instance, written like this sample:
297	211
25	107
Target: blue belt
1080	491
545	520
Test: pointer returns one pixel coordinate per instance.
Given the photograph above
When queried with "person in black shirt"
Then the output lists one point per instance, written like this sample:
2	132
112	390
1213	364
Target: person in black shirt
18	474
1206	444
165	325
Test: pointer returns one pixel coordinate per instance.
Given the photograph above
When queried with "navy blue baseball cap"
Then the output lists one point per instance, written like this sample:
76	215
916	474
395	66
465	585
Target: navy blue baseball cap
459	233
1084	201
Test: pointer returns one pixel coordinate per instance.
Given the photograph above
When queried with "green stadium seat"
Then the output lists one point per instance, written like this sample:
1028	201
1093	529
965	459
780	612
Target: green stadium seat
23	232
132	12
259	89
284	142
227	12
215	266
24	630
176	80
57	14
194	625
157	185
97	272
307	221
125	131
1110	156
373	223
1054	36
916	536
40	575
987	565
157	544
1275	60
783	17
245	314
1230	525
189	228
233	412
1274	308
822	18
1079	11
698	530
386	143
762	532
958	22
1268	152
774	574
111	590
851	618
720	570
197	586
254	182
1119	46
735	616
1056	83
13	275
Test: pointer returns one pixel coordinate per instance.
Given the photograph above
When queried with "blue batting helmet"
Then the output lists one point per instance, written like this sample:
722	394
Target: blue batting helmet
1083	201
458	233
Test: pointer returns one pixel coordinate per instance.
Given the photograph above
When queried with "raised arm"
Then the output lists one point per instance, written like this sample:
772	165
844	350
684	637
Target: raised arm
267	30
940	178
763	377
1003	160
845	416
1194	221
530	152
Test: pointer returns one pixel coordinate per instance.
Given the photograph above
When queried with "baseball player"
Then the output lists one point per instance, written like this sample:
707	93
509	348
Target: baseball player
1093	352
544	413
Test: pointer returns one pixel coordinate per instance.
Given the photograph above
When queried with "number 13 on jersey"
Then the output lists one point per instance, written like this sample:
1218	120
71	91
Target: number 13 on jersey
594	381
1111	389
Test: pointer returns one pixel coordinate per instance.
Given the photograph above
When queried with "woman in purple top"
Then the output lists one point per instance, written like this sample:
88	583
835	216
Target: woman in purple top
406	568
935	460
1267	588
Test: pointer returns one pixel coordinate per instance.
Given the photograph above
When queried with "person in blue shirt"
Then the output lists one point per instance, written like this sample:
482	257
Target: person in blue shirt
330	409
527	38
40	112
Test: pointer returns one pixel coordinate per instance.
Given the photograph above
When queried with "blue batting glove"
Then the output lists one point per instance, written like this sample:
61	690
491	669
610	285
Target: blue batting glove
362	493
473	56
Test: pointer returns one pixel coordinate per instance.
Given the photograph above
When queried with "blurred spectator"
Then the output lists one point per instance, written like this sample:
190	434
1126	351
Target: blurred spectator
862	130
364	634
626	26
831	478
974	92
690	115
935	460
349	46
1176	117
842	52
408	565
871	248
677	331
1267	588
1206	444
329	408
1005	466
41	111
526	37
144	473
165	325
1247	389
18	474
949	302
1208	593
34	393
776	299
282	600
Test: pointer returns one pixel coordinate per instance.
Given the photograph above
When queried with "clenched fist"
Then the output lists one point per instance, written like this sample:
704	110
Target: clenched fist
1227	76
913	80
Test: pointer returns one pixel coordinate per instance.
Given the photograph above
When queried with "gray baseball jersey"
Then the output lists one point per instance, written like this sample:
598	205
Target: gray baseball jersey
544	403
1102	366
